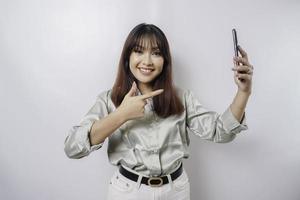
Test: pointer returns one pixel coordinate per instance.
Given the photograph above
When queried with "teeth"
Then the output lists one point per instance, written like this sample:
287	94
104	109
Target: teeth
145	70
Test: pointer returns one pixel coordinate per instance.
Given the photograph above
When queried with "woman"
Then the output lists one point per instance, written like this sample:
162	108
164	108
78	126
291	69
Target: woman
147	119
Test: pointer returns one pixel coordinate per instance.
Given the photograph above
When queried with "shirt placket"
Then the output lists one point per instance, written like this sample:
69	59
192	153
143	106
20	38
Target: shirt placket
154	151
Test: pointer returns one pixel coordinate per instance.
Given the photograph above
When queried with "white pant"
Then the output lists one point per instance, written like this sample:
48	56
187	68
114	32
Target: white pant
122	188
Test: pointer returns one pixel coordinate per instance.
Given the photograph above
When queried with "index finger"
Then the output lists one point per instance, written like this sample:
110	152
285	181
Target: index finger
151	94
243	52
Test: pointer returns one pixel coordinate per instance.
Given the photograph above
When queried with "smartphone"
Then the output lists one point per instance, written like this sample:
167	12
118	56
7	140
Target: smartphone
235	42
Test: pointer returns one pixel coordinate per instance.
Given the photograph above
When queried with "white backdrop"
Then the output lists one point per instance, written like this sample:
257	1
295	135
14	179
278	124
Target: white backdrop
57	55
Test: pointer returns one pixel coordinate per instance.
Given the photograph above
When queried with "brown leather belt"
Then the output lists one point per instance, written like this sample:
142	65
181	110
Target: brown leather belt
151	181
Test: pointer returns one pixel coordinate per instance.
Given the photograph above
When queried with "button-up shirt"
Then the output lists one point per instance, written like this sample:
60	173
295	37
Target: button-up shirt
152	145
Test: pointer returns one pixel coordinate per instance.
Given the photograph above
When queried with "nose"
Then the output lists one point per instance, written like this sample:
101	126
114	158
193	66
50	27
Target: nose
147	60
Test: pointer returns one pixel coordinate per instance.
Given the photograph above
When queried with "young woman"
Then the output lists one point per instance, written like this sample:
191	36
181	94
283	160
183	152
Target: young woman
147	119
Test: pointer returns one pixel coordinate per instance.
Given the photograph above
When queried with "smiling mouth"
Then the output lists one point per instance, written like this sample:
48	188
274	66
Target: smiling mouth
145	71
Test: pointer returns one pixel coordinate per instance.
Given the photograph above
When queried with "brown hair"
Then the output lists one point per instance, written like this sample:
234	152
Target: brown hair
165	104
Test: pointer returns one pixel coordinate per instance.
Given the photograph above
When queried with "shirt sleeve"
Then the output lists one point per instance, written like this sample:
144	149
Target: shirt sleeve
210	125
77	143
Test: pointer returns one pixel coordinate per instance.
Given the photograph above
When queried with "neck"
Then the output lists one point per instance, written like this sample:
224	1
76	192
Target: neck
145	88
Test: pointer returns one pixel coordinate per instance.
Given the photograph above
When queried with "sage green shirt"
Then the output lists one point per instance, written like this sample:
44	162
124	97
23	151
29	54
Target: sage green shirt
152	145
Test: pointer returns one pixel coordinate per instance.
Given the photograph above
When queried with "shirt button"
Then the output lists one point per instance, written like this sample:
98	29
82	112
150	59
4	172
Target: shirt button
155	151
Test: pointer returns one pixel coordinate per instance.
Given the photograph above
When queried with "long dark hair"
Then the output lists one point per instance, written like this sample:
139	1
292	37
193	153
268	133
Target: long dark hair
165	104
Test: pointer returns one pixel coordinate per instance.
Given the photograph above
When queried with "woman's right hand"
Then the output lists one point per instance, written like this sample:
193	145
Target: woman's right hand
132	105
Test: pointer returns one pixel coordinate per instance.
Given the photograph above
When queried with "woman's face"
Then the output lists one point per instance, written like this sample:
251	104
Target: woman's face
146	63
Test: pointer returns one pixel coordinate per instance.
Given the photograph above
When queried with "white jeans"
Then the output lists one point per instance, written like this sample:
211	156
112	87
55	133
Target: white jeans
122	188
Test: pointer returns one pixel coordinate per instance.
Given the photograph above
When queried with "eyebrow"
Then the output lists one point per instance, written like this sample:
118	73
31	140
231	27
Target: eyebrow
141	47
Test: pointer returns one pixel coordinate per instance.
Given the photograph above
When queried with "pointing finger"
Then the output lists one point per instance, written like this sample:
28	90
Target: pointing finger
133	89
151	94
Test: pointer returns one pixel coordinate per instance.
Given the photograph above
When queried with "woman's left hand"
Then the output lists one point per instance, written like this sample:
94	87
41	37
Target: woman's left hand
243	73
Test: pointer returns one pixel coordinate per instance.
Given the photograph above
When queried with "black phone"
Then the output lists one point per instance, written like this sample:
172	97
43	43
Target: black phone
235	42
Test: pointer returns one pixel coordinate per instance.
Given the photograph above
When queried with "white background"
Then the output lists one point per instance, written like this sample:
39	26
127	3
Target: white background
57	55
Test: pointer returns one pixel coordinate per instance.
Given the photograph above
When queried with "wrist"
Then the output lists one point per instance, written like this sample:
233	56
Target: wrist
120	114
244	93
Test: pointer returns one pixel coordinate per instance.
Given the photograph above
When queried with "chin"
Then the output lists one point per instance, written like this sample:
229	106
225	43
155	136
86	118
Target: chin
145	81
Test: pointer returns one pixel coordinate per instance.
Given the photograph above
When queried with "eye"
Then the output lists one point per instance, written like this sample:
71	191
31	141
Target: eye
138	50
157	53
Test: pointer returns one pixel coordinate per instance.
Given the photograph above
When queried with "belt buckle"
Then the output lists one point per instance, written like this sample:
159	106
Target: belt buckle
155	179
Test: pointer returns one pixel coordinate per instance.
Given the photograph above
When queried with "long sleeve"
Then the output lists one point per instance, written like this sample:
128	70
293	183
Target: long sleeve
210	125
77	143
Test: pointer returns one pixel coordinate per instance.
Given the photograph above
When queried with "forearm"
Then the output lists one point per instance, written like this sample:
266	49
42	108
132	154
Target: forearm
239	104
104	127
